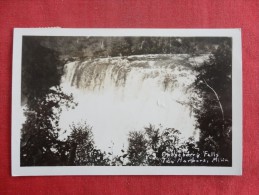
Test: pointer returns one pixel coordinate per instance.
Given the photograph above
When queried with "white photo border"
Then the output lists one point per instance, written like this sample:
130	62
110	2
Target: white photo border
235	169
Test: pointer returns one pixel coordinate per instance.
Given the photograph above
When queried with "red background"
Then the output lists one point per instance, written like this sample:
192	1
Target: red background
134	14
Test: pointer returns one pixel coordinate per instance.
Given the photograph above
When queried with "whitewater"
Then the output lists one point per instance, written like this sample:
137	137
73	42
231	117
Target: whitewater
116	95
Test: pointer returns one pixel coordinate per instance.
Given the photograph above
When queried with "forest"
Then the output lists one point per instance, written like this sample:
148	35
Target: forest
43	60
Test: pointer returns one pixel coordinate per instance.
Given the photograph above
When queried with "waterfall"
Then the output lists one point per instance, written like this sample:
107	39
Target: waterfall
116	95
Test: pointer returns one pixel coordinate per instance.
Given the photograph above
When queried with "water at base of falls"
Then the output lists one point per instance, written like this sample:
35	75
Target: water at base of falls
119	95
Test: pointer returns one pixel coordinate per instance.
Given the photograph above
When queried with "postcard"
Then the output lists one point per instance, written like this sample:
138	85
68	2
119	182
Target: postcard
126	102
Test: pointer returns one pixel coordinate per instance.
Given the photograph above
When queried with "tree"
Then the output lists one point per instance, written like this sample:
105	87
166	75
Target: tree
41	68
214	117
153	146
137	148
40	132
162	144
81	145
44	99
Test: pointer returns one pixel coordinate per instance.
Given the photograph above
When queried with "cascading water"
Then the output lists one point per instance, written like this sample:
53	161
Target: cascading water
118	95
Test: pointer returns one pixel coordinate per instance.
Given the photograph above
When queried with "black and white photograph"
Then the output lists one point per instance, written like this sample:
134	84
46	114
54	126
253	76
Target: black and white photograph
127	102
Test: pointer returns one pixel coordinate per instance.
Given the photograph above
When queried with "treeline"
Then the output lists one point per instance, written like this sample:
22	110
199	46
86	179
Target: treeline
116	46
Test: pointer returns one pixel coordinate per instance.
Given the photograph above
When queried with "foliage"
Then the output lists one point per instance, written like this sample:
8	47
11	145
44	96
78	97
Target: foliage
39	134
214	115
44	102
137	148
82	148
157	147
115	46
41	68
